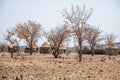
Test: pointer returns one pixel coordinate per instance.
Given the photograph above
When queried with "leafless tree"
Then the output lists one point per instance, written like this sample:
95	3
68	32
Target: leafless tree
56	37
93	37
12	39
30	32
76	18
110	39
10	36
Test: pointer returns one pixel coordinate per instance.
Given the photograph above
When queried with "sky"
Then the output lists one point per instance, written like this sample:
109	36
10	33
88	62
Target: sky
106	14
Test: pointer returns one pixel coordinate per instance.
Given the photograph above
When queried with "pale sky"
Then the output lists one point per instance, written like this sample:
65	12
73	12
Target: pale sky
106	13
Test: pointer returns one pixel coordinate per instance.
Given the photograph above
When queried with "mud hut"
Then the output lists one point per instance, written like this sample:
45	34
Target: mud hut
27	49
45	48
112	50
63	49
13	48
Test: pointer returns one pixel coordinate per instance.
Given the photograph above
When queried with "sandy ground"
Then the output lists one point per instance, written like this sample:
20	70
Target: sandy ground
46	67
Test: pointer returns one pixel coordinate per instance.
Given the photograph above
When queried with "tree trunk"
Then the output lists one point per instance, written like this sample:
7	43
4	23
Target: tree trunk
92	51
11	52
80	55
31	50
56	56
80	51
55	52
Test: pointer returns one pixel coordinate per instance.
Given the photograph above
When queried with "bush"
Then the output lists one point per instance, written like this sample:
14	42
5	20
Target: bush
97	51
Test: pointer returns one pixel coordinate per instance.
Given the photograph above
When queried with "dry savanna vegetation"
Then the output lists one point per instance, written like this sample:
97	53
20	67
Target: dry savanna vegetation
59	63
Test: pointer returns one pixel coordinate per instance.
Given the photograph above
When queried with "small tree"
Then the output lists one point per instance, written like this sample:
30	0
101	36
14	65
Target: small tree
56	37
109	39
12	39
93	37
30	32
76	19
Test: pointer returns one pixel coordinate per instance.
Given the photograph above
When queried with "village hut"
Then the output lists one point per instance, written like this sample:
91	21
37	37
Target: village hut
45	48
62	49
112	50
34	50
13	48
27	49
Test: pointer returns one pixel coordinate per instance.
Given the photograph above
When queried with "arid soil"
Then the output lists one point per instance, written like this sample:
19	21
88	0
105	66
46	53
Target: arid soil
46	67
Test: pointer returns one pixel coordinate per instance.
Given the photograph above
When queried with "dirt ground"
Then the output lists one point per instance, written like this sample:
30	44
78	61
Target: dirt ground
46	67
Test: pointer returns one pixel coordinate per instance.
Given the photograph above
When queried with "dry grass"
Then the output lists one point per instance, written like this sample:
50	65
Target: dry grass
46	67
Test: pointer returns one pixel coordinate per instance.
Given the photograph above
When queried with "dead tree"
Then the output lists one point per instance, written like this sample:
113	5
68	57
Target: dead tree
12	39
76	18
110	39
93	37
30	32
56	37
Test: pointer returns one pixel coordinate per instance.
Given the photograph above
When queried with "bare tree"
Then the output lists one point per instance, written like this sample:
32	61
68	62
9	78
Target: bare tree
10	36
12	39
76	19
110	39
30	32
93	37
56	37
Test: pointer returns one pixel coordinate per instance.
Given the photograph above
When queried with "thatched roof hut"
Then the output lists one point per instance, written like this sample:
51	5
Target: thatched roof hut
112	50
27	49
62	49
45	44
45	48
